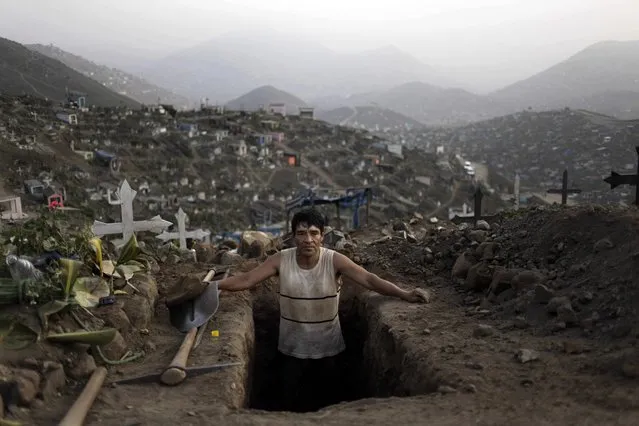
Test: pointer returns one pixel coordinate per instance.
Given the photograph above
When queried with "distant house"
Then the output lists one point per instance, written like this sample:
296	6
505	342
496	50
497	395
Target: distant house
307	112
277	108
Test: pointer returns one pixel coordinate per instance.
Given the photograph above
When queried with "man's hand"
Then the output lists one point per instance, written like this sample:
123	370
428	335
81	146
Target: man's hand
417	295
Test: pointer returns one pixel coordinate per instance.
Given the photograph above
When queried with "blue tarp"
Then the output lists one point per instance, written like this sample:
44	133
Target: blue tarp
354	199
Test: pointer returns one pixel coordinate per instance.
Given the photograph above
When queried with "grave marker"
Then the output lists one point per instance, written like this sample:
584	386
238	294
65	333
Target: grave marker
615	179
182	234
478	198
127	227
564	191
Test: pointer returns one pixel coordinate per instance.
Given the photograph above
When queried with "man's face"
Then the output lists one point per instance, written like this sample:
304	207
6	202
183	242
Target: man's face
308	240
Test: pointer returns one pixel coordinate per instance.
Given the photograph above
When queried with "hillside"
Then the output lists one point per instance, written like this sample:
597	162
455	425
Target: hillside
540	145
430	104
262	96
604	77
23	71
369	118
117	80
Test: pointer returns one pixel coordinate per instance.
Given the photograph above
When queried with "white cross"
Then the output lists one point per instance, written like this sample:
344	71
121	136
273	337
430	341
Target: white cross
128	226
182	234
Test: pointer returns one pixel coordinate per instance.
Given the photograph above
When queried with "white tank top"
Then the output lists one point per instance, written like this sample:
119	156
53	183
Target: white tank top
309	302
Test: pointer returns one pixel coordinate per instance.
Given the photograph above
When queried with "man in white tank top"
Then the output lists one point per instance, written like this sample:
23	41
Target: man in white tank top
310	282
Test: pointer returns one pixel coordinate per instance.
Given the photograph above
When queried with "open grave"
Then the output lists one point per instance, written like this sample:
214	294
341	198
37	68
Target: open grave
372	366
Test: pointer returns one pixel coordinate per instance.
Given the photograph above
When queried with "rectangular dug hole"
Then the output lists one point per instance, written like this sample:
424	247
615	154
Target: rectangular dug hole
374	364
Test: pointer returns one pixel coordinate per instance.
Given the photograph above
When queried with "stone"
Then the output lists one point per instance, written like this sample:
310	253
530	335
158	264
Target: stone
114	316
462	266
116	348
483	225
543	294
478	235
28	385
54	380
527	279
526	355
486	250
254	244
147	286
603	244
479	277
566	314
555	303
138	310
205	253
229	258
502	280
483	330
83	367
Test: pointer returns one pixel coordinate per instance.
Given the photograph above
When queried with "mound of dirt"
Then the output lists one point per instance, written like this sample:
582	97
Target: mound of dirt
554	269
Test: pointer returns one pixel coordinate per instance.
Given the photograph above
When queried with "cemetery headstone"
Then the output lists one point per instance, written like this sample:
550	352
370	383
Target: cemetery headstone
564	191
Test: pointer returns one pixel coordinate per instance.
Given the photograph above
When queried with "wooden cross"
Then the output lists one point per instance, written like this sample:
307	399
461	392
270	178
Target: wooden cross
615	179
128	226
564	191
182	234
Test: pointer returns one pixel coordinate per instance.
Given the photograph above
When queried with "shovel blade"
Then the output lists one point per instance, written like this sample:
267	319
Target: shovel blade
197	311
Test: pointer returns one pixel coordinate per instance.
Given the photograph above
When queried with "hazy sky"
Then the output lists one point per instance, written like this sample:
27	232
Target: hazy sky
486	43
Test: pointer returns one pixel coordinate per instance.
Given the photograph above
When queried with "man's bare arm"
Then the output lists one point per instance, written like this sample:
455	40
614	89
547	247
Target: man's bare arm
361	276
366	279
253	277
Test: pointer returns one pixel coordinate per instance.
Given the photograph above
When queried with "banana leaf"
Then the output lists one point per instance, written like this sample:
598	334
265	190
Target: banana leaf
71	270
129	252
15	335
96	244
88	291
99	338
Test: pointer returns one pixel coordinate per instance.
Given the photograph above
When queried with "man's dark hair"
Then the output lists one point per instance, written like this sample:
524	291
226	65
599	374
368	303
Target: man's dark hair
310	217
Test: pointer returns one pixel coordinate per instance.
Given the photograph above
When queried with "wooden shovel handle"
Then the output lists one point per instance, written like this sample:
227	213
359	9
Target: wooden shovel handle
176	372
80	408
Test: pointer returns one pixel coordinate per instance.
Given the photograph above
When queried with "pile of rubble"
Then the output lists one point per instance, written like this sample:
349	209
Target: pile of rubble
554	269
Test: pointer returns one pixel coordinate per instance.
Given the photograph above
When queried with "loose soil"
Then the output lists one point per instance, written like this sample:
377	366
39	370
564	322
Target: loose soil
450	362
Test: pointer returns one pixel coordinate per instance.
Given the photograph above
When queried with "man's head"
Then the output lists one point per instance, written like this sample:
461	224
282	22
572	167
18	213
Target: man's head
308	231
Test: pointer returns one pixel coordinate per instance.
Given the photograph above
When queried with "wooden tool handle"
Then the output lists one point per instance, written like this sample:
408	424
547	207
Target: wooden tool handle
176	373
80	408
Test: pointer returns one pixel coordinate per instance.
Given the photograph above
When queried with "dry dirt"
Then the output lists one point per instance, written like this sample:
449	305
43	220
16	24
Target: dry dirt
450	362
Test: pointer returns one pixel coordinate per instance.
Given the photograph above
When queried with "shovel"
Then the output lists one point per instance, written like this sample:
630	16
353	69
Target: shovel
197	311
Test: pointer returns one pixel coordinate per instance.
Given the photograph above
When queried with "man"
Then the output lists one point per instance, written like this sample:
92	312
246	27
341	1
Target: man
310	334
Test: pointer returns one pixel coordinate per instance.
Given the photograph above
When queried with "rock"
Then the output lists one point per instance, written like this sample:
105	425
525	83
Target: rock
205	253
54	380
486	250
28	383
148	287
332	237
527	279
446	389
478	235
229	258
114	316
630	364
479	277
116	348
566	314
520	322
575	270
138	310
502	280
462	266
84	367
555	303
483	225
172	259
526	355
255	244
483	330
543	294
603	244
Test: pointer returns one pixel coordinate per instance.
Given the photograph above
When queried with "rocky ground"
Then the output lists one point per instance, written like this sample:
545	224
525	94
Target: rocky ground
533	321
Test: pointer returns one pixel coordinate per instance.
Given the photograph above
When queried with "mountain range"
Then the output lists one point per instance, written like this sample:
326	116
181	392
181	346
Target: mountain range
248	70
